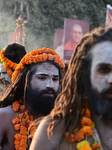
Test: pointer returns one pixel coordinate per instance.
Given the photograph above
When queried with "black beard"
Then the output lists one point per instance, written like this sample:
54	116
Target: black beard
99	104
38	104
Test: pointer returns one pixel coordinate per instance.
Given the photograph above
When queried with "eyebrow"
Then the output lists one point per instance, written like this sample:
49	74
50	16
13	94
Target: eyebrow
104	65
45	74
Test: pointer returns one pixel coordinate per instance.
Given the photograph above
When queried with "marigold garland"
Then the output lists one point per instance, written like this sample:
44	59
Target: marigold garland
8	64
85	131
38	55
21	125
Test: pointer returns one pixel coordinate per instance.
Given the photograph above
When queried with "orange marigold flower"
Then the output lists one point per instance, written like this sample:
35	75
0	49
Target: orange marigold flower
23	128
85	147
60	61
20	115
23	132
56	59
44	56
86	122
28	59
35	59
23	141
34	52
14	66
17	127
78	136
9	71
16	106
11	65
22	107
24	137
27	117
95	146
23	61
17	136
23	121
17	146
16	142
87	130
20	67
15	121
86	113
68	137
6	67
15	75
26	112
40	58
50	57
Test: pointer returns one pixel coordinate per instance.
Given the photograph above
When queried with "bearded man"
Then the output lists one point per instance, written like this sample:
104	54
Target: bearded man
82	115
10	57
30	96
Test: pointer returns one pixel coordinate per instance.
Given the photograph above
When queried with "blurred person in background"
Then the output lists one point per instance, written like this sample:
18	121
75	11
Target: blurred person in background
10	57
76	34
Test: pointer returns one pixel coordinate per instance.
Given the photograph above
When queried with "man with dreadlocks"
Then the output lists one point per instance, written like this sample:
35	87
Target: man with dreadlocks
82	115
30	96
10	57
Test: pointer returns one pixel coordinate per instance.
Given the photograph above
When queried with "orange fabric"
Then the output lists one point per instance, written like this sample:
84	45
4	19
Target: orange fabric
70	45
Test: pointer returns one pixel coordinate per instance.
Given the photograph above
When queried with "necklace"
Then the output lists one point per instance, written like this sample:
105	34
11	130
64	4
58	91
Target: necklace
21	124
87	130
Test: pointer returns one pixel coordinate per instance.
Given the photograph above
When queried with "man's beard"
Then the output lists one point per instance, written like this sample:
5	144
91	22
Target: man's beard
99	104
37	103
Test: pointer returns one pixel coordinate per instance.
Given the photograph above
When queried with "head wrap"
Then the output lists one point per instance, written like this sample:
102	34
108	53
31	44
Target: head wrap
38	55
11	56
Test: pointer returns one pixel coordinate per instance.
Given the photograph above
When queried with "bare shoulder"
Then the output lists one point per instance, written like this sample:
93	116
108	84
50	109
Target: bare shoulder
6	114
7	111
6	126
41	140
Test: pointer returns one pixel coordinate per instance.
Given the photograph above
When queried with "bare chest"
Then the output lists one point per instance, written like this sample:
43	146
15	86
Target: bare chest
104	137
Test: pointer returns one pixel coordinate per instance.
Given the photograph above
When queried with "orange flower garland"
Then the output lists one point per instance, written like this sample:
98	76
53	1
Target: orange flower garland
21	124
38	55
8	64
86	130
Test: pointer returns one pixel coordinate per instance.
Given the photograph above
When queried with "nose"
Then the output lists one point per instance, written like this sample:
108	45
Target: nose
50	84
110	79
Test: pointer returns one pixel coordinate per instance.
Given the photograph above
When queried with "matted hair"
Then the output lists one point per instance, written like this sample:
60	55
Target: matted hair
69	101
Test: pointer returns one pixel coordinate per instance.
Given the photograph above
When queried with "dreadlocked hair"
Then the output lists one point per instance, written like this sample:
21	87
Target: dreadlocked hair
15	52
70	100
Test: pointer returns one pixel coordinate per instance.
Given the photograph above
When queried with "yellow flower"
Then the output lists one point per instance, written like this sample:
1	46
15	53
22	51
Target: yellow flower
4	63
93	125
82	143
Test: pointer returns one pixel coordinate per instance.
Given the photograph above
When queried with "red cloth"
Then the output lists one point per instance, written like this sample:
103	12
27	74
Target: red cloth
70	45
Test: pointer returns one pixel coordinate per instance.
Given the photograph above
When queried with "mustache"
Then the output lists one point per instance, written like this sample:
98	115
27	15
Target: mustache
104	91
47	91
